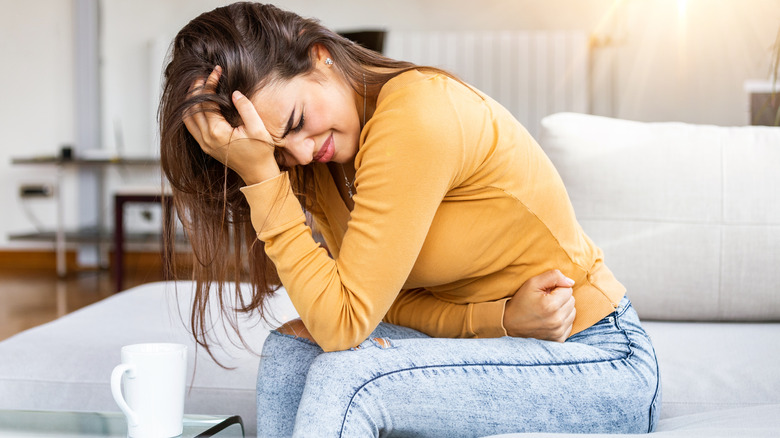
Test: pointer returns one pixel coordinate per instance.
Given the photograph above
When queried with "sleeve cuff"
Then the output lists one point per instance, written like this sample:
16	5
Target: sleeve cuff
487	319
273	206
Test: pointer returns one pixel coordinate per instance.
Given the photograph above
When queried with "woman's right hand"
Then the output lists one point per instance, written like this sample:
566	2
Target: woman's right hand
247	149
543	308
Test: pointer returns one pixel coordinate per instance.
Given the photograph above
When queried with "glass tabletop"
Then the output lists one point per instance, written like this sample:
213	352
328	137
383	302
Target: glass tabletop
24	424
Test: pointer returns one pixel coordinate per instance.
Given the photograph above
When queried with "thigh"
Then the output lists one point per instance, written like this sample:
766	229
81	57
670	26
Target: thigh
604	380
282	373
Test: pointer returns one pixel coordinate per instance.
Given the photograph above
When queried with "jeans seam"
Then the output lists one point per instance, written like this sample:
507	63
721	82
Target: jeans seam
619	311
625	357
653	404
618	326
461	366
654	400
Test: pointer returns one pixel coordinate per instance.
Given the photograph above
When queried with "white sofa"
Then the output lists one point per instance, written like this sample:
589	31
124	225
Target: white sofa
688	217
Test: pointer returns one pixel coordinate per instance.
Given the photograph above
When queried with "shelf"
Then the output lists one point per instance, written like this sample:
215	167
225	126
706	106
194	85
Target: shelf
98	234
52	160
91	235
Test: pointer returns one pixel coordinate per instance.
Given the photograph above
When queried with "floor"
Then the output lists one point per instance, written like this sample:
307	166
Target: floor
30	297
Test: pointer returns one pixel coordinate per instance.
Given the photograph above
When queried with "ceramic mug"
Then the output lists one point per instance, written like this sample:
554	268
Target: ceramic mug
154	378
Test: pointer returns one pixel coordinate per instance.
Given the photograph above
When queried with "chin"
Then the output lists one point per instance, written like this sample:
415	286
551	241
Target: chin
343	156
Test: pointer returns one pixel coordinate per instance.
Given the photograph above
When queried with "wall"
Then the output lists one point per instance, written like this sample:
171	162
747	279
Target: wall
36	115
688	60
653	60
656	59
126	39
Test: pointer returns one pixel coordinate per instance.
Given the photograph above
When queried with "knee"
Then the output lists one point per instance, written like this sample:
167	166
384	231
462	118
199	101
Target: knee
295	328
289	341
283	352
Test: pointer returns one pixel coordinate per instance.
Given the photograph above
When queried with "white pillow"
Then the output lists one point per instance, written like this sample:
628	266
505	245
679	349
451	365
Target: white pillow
688	215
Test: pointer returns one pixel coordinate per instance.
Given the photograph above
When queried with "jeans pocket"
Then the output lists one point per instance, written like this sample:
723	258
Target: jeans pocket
607	334
604	326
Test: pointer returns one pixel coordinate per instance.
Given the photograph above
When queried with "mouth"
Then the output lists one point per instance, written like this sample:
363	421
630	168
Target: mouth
327	151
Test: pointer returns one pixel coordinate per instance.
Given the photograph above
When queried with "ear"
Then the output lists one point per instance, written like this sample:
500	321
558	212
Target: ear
319	54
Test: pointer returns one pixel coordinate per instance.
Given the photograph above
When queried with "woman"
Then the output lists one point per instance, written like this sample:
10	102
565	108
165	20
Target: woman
441	217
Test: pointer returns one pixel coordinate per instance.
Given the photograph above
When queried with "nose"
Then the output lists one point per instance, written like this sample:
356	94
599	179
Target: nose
308	144
302	149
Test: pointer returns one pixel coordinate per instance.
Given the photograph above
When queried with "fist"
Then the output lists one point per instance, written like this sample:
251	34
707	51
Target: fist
543	308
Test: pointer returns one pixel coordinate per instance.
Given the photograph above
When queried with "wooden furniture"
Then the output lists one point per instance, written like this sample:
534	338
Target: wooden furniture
764	102
120	199
60	236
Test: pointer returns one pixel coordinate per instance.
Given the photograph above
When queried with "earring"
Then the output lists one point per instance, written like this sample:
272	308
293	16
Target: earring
328	61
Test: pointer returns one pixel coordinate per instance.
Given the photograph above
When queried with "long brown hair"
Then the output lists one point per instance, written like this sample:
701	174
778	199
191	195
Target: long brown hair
254	44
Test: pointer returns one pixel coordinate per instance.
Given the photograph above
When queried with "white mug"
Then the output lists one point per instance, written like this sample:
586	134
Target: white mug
154	378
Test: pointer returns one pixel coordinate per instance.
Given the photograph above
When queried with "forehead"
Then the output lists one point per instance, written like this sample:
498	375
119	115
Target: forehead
278	100
281	89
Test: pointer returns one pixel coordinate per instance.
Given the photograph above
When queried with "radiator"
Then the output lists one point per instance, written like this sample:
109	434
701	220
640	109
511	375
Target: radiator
533	74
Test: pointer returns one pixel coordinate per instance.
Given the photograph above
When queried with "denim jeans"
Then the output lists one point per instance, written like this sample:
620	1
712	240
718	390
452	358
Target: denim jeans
401	382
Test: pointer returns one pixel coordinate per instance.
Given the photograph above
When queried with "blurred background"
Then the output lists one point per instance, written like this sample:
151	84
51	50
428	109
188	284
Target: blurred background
85	75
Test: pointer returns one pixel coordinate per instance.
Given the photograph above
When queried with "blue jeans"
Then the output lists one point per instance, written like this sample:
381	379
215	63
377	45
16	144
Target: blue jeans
401	382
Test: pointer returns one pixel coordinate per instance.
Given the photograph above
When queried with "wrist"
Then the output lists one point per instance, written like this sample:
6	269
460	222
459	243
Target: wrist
260	173
517	323
484	317
507	320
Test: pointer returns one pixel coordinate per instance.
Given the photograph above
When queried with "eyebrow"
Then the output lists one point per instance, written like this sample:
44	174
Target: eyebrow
288	128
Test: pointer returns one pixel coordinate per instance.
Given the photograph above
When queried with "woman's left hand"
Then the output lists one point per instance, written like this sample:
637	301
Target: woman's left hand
247	149
543	308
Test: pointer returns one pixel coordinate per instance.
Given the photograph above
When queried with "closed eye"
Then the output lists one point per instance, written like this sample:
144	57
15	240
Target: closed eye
300	125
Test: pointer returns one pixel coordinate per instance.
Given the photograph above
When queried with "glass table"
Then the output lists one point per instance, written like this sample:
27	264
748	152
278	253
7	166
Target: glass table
24	424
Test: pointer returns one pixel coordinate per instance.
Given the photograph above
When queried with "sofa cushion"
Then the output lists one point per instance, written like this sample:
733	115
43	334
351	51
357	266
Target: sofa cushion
66	364
688	215
716	366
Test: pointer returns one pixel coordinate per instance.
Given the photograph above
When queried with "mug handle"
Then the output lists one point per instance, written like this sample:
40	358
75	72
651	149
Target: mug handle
116	391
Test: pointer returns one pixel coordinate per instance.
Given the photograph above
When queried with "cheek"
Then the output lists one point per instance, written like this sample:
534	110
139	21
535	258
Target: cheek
338	112
317	121
287	158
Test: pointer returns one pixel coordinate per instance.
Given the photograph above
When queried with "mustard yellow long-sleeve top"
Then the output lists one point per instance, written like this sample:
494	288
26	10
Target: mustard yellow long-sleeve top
456	206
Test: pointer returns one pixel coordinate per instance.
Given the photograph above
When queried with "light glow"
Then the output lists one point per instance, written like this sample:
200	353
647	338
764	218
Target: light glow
682	9
682	38
603	33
